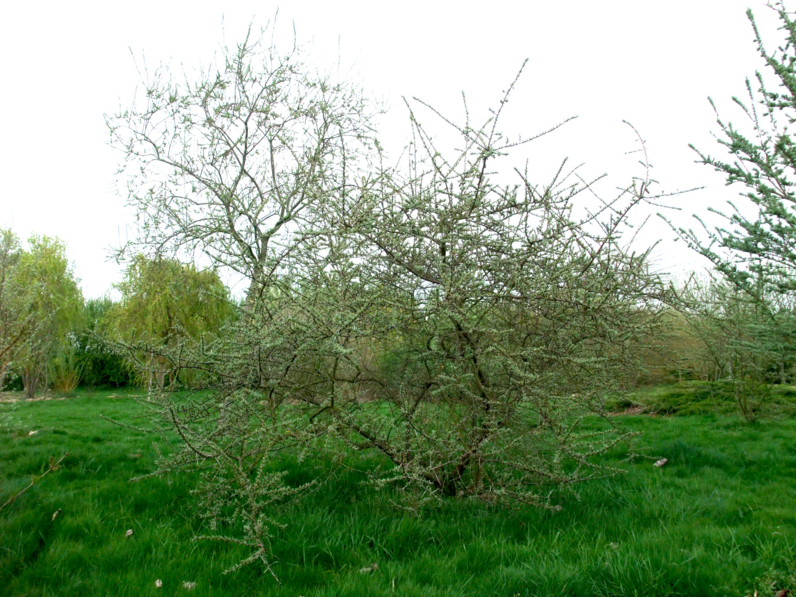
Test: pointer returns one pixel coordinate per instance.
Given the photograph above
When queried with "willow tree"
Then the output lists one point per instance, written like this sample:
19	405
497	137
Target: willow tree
163	302
16	320
48	305
458	323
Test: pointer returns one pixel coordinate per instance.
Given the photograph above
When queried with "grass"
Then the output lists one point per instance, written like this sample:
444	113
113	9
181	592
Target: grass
719	519
699	398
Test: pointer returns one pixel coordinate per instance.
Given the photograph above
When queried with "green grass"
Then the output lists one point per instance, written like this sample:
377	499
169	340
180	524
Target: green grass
719	519
699	398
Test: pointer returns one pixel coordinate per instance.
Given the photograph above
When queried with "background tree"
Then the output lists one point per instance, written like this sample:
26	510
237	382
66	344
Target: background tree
15	313
742	342
54	301
101	365
163	302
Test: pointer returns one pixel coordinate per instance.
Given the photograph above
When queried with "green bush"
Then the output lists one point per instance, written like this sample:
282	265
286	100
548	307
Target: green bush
102	366
12	382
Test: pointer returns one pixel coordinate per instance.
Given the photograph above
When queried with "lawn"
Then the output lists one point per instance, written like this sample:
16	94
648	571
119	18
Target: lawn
698	397
718	519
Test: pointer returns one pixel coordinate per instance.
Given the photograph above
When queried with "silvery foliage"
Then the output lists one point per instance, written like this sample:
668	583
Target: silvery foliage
464	330
226	162
752	247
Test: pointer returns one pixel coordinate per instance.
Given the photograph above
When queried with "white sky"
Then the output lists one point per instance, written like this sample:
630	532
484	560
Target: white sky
653	63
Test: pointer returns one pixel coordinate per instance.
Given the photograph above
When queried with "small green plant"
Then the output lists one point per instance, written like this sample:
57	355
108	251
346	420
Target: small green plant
65	368
8	421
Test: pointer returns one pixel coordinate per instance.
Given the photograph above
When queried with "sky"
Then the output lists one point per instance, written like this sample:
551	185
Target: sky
651	63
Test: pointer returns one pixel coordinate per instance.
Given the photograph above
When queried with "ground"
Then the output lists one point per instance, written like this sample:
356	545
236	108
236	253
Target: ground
718	519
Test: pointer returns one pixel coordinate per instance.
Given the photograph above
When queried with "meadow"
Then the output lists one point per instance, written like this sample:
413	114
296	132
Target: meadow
718	519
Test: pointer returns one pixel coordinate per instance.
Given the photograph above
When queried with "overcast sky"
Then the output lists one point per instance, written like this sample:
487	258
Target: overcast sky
652	63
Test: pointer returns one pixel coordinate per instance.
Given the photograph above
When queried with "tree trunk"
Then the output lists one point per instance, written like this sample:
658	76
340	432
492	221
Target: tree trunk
151	373
161	372
30	382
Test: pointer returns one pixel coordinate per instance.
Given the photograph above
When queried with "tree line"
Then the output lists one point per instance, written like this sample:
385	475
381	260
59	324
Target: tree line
51	338
710	332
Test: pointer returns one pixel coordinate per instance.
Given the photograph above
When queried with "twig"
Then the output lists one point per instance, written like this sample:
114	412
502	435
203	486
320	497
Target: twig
54	466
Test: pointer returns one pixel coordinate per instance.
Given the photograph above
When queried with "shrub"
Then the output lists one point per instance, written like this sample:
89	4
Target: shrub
464	329
100	364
